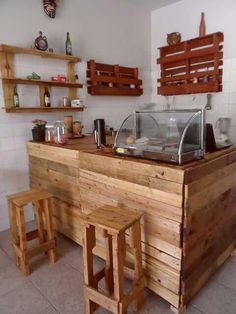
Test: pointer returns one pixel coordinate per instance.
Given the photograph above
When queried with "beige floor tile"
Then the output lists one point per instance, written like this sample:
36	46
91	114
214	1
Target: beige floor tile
10	278
226	275
61	285
49	310
24	300
5	243
215	298
4	260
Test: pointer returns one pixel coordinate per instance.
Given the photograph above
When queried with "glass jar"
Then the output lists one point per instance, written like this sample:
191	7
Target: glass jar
49	133
60	133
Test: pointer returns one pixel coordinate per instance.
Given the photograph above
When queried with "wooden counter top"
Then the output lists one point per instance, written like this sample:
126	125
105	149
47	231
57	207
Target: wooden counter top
87	145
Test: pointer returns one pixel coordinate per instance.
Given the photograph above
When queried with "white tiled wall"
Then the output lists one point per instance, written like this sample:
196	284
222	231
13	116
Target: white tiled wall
97	33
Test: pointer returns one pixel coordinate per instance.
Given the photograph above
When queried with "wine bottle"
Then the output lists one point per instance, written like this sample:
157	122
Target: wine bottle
47	102
68	44
16	101
202	26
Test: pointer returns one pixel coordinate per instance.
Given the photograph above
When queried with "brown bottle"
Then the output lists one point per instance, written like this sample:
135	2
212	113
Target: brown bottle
47	102
202	26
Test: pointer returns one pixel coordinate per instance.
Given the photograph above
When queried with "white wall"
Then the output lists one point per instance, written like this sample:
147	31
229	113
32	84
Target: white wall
184	17
108	31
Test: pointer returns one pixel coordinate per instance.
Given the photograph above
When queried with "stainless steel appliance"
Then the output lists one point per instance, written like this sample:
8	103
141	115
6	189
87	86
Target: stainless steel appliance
175	136
99	133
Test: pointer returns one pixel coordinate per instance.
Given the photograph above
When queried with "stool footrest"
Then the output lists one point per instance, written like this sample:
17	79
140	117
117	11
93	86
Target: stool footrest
42	248
99	275
102	300
32	235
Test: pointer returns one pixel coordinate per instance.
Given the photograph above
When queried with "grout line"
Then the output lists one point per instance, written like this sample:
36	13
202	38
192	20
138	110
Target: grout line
194	306
42	294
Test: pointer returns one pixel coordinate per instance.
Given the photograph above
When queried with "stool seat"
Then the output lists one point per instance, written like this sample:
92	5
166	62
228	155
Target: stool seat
114	222
33	195
41	201
113	219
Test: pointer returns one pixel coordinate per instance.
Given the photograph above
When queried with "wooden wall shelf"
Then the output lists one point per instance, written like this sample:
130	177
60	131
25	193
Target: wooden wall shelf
113	80
35	52
192	66
42	109
42	82
7	53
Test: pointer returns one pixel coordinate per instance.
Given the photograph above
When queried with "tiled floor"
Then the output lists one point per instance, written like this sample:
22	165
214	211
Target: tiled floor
58	288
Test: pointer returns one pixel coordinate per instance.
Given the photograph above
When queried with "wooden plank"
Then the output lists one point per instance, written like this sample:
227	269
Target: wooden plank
93	194
218	160
23	81
42	109
114	91
36	52
165	197
64	156
130	169
189	88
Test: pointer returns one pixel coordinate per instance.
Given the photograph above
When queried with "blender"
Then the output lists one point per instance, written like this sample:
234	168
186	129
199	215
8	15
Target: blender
222	129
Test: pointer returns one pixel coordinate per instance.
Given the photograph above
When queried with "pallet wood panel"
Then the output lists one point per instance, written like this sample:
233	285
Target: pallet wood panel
189	223
112	80
192	66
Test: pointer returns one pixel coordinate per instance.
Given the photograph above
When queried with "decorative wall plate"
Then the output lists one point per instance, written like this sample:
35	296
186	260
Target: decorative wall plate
41	42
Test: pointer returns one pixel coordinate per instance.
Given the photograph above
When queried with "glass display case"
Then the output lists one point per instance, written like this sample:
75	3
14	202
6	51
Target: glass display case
176	136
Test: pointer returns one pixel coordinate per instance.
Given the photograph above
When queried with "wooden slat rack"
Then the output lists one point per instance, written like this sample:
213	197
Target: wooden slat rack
7	53
113	80
192	66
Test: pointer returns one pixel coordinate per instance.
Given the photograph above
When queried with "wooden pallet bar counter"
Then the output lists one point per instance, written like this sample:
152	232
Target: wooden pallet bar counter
189	223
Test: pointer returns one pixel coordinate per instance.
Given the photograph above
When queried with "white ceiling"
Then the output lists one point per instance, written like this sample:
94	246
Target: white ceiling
153	4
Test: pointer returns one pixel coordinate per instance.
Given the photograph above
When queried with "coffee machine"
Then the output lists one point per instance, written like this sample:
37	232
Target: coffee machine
99	133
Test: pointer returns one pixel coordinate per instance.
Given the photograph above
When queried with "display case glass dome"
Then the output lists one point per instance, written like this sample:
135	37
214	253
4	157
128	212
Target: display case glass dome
171	135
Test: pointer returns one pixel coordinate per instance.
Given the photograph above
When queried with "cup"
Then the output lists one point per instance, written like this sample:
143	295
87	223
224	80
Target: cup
68	120
77	128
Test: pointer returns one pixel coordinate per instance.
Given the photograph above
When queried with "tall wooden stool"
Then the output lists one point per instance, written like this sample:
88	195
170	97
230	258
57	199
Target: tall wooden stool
114	222
41	202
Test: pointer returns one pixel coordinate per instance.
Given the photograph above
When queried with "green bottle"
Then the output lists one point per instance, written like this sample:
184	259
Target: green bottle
16	101
68	44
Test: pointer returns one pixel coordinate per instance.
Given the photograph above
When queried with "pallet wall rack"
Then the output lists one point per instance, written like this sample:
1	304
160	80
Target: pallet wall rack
113	80
192	66
7	53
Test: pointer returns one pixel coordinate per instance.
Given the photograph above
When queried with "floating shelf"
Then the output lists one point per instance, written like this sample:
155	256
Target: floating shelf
42	82
42	109
36	52
113	80
192	66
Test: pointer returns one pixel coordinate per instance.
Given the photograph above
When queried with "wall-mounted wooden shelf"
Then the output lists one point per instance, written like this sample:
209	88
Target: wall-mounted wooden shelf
42	109
36	52
192	66
113	80
7	53
42	82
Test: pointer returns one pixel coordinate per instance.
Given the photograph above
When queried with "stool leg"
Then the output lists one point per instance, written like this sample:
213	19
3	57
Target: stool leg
109	266
118	249
13	228
39	221
89	242
138	270
24	264
50	235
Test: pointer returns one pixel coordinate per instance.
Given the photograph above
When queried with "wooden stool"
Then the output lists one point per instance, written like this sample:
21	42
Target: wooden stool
41	203
114	222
